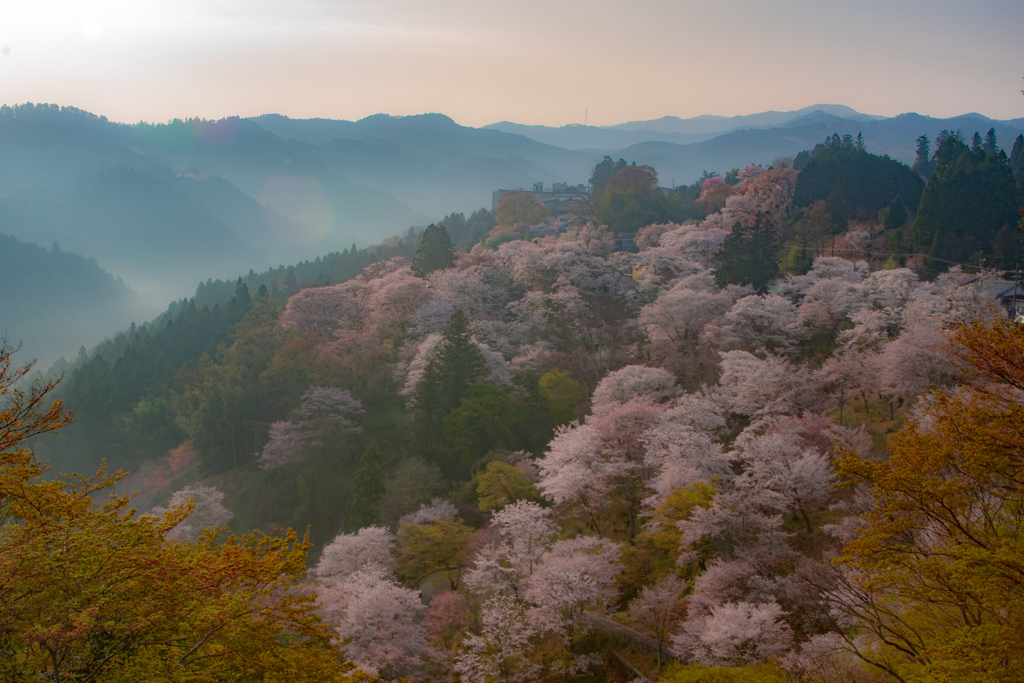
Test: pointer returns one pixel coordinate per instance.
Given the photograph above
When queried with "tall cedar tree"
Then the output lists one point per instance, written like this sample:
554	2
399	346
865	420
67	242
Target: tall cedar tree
367	490
455	367
968	199
435	252
749	255
854	182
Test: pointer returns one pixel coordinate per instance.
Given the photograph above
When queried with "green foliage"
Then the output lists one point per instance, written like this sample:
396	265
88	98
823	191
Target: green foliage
939	557
1008	246
565	396
483	422
411	483
923	165
631	200
424	549
455	367
1017	161
853	182
698	673
968	199
520	207
52	296
435	252
502	484
105	389
466	232
367	490
604	171
655	551
750	254
895	214
800	258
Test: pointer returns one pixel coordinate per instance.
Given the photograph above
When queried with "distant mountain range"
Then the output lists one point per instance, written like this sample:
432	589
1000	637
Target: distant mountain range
666	129
166	206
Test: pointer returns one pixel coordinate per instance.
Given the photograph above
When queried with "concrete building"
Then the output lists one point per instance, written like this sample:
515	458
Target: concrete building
559	199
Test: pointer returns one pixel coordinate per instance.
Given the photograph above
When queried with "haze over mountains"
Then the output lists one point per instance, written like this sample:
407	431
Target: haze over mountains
167	206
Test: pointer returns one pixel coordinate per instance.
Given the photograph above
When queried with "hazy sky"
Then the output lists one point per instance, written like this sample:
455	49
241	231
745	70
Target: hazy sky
527	61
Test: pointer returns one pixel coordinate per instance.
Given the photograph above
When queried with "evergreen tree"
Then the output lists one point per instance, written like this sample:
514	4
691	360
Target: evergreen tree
367	490
923	165
459	363
447	379
435	253
895	213
1017	160
749	255
966	202
240	303
854	182
1008	246
604	171
990	146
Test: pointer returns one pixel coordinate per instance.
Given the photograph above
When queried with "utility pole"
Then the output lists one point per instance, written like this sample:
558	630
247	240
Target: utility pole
1015	310
842	400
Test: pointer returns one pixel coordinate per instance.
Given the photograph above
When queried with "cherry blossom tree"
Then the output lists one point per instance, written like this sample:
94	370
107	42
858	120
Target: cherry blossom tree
375	616
325	412
501	653
585	462
776	460
763	322
321	311
208	511
284	445
437	510
915	360
634	381
588	339
683	447
738	523
736	634
395	298
675	321
771	386
828	302
376	623
525	530
891	290
826	658
446	620
520	261
368	550
572	471
696	244
656	609
576	575
473	290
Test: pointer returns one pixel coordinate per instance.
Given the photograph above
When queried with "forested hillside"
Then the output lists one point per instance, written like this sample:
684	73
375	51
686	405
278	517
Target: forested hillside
769	438
55	302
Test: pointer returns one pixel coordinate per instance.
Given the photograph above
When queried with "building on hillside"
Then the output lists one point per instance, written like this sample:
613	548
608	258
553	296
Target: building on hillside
559	199
1010	296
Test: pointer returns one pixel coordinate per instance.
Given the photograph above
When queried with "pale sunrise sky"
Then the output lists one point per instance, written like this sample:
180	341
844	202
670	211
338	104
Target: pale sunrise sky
526	61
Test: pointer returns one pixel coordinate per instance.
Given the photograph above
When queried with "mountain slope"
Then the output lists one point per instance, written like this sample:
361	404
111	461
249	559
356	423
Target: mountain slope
55	302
